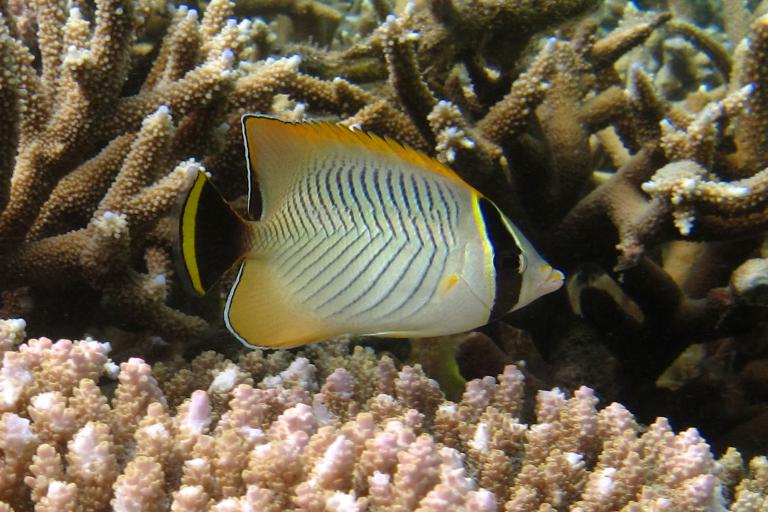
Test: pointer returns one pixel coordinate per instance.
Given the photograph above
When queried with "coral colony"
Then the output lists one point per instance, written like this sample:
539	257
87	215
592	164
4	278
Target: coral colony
628	140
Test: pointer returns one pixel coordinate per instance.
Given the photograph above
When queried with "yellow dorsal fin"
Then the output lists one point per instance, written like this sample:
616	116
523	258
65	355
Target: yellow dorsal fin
279	152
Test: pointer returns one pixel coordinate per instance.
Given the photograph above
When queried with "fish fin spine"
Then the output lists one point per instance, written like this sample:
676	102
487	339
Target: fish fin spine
213	237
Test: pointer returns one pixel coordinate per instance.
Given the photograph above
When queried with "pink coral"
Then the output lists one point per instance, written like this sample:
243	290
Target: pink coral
263	449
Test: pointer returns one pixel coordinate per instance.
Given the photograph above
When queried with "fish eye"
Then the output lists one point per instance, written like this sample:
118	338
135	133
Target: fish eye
507	254
508	259
523	263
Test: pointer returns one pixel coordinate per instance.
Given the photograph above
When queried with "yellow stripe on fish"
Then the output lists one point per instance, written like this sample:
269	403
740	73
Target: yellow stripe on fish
188	235
358	234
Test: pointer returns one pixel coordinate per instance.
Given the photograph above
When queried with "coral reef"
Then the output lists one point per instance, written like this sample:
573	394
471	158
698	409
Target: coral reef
629	143
350	432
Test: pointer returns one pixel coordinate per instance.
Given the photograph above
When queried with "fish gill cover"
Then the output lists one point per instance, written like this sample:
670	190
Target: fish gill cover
628	140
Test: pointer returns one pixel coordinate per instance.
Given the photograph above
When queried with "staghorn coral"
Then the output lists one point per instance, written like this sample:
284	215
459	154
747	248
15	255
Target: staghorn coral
89	183
107	125
277	440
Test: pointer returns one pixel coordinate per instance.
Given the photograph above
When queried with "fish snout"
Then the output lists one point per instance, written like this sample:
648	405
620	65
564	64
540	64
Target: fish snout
551	280
538	280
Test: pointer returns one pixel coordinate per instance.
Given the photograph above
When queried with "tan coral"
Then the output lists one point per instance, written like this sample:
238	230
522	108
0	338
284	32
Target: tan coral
92	464
574	454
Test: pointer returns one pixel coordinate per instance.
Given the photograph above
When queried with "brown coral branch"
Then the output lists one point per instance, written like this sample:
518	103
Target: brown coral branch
607	50
308	8
617	202
361	64
705	42
197	88
93	76
508	117
14	60
646	109
604	109
751	136
71	203
148	153
711	209
380	117
405	76
178	52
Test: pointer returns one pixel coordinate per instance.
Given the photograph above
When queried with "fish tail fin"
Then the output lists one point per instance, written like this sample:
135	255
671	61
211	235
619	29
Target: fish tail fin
212	236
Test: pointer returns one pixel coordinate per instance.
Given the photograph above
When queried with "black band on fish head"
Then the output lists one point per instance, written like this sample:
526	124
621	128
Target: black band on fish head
508	259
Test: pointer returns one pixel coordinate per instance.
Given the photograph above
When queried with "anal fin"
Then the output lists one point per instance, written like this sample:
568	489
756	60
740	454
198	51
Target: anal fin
260	312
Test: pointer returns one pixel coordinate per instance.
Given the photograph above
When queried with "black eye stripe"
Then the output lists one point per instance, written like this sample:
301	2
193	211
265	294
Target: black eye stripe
506	260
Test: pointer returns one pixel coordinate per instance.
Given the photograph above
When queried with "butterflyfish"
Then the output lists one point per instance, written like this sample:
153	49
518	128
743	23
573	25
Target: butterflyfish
357	234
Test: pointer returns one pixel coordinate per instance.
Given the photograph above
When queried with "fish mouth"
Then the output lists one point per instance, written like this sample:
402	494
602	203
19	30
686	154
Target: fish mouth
538	282
552	280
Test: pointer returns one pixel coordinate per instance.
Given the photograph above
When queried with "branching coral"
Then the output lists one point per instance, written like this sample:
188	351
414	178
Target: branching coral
269	434
81	204
91	167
